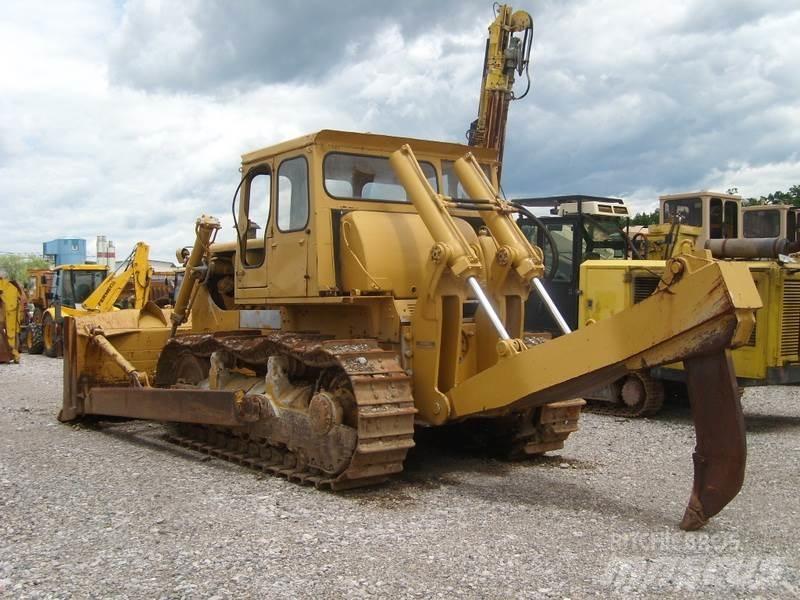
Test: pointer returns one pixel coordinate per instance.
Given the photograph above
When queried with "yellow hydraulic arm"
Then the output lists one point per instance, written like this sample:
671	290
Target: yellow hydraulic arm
505	53
136	268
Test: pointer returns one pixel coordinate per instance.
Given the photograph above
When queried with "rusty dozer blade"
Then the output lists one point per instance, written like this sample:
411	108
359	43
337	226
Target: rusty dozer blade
113	349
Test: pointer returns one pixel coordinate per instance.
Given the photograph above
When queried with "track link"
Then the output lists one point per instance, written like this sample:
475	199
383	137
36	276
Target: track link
381	390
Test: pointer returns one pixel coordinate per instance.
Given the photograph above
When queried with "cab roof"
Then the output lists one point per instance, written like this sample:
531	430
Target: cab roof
686	195
353	141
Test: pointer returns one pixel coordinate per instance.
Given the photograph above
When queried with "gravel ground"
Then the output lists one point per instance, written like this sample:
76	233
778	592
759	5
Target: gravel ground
115	511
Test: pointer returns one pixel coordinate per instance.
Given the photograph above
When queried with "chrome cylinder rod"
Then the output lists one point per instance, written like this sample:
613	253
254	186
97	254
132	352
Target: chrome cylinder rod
562	324
498	324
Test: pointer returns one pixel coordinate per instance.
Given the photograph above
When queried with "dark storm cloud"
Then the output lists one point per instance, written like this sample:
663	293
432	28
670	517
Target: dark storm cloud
206	45
660	111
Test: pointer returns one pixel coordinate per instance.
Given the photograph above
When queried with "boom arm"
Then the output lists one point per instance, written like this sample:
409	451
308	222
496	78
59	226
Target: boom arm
138	268
505	54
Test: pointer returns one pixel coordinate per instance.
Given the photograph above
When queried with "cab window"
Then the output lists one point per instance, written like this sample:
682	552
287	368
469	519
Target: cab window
761	223
688	211
256	203
293	194
353	176
731	220
563	235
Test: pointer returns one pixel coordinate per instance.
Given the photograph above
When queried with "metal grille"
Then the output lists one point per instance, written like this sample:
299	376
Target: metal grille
751	341
643	286
790	321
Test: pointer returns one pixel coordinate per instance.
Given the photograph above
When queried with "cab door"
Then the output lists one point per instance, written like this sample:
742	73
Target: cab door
251	227
289	231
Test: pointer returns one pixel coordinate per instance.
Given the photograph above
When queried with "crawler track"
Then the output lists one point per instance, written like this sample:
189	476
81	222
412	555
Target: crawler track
649	398
368	446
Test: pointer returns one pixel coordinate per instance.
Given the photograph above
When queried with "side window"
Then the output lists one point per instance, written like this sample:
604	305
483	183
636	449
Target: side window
731	218
563	237
257	196
293	194
715	229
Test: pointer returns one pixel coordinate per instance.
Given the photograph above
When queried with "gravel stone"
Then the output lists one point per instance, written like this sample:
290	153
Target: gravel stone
114	510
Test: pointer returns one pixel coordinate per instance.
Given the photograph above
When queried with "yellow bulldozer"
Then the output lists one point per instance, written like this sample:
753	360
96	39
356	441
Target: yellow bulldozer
386	291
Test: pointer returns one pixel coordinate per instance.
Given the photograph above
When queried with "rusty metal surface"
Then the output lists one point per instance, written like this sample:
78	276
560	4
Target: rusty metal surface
210	407
751	247
721	450
369	444
72	404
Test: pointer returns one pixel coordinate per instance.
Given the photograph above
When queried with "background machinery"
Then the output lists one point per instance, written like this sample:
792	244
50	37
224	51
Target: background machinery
578	228
128	285
373	302
67	285
12	303
604	285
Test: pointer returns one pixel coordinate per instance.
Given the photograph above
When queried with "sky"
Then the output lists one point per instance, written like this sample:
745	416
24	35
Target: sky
128	118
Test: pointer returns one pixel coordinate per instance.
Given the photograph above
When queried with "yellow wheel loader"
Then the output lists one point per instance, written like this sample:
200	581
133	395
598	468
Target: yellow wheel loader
372	303
712	220
81	292
12	302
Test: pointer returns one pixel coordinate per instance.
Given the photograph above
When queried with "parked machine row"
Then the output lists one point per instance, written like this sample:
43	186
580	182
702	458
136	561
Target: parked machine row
596	269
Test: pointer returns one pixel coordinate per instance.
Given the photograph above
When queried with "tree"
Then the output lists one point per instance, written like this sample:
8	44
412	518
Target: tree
645	219
16	266
778	197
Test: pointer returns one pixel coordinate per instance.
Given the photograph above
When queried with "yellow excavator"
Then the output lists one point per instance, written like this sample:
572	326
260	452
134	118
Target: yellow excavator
12	302
71	283
135	272
372	303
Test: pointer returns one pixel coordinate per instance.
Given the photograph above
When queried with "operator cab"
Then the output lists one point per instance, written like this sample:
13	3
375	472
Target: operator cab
294	218
717	215
74	283
580	228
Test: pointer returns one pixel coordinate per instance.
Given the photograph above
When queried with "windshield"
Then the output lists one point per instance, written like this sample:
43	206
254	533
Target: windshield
605	238
78	285
764	223
689	211
367	178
